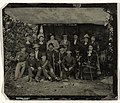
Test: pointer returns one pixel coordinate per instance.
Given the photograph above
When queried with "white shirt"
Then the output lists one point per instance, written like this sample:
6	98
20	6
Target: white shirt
36	54
75	41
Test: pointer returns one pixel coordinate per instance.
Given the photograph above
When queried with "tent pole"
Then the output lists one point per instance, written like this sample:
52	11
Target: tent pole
38	29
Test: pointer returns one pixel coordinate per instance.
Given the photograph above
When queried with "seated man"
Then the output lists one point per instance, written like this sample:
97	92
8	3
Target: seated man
68	64
21	57
47	69
34	70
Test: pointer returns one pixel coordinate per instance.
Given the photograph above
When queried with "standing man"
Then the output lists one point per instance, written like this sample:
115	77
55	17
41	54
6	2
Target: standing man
94	43
60	55
68	64
21	57
42	44
65	42
78	59
37	52
75	44
51	56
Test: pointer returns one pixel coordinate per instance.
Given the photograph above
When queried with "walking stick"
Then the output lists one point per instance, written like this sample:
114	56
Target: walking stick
53	62
90	69
98	65
60	67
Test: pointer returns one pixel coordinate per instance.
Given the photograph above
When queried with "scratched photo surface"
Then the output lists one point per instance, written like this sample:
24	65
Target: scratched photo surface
60	51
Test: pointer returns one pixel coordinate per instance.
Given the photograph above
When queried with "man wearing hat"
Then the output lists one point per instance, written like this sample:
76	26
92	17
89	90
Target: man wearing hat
78	59
34	70
37	52
94	43
51	55
85	45
60	55
75	44
65	42
28	44
53	41
68	64
47	68
21	57
42	44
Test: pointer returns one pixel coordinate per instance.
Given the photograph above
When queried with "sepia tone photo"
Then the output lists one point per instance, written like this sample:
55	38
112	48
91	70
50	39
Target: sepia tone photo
60	51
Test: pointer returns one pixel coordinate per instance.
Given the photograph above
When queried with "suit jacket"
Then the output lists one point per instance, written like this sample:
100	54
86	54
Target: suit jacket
45	65
51	55
38	55
75	46
68	62
32	63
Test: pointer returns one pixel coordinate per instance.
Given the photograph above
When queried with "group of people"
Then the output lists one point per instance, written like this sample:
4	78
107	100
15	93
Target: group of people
53	60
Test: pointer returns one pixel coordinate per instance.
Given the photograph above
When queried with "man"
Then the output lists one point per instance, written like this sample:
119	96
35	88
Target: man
75	44
60	55
21	57
84	46
34	70
94	43
53	41
78	59
65	42
68	64
51	55
37	52
47	69
28	44
42	44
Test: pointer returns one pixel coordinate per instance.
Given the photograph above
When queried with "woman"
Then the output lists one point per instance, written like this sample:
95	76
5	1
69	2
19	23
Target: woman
53	41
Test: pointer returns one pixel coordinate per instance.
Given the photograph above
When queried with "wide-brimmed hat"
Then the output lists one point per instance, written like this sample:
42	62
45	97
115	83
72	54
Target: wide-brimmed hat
64	34
32	54
86	36
40	35
68	52
36	46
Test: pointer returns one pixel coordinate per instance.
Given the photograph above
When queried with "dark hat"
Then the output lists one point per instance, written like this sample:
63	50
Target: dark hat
64	34
61	46
40	36
75	34
51	44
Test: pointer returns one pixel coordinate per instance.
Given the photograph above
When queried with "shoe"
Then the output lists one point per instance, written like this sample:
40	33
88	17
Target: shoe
57	79
36	79
41	80
65	80
15	79
30	80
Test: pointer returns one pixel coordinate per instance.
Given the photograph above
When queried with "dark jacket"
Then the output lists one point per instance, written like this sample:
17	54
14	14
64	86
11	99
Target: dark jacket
68	62
32	63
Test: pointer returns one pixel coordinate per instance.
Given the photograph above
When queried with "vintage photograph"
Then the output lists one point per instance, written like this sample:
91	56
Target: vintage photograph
60	51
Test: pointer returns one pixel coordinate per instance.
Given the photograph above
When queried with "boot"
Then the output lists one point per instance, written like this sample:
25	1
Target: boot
36	79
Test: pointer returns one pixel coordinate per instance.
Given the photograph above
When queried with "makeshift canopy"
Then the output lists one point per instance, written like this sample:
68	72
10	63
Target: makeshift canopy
58	15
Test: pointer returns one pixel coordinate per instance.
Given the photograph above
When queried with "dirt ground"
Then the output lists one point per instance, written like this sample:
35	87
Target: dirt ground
72	87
